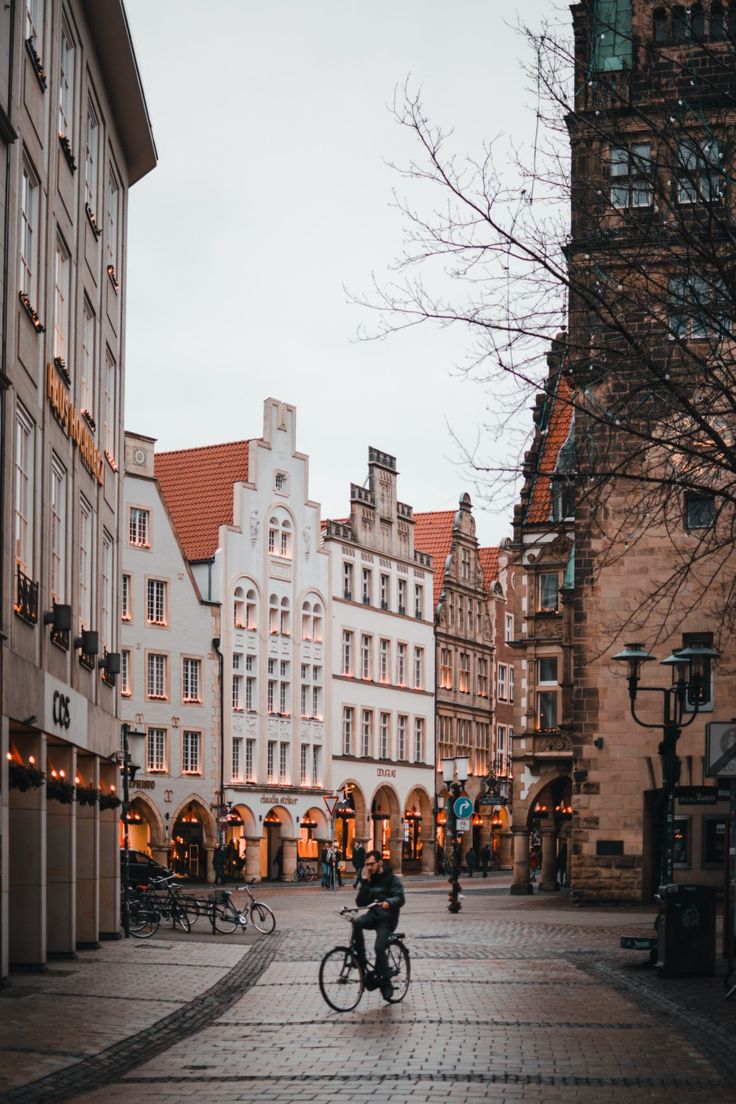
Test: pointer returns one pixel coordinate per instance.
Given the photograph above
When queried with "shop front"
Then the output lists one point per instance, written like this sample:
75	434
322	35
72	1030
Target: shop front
189	842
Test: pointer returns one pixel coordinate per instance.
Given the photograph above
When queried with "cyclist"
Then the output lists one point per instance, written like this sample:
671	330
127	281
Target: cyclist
381	888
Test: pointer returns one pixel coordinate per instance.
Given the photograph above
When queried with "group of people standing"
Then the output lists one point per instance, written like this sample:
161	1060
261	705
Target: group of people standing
331	860
227	862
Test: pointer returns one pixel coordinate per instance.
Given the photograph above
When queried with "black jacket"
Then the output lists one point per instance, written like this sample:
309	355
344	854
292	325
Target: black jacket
382	887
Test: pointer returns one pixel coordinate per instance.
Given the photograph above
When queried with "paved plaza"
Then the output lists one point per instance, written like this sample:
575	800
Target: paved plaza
514	999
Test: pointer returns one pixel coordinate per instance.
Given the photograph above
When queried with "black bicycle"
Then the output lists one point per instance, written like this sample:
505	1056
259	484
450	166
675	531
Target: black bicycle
342	979
225	915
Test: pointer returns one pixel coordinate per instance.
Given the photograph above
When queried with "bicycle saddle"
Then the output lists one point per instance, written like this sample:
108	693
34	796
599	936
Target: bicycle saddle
398	935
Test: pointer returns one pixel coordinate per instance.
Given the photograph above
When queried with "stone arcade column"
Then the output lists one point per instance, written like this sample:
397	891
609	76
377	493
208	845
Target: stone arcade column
109	856
288	855
548	883
429	859
88	859
61	865
396	847
520	884
253	857
27	863
207	853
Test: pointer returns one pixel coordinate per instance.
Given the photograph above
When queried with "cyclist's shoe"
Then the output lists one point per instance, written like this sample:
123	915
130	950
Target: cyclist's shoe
387	990
372	981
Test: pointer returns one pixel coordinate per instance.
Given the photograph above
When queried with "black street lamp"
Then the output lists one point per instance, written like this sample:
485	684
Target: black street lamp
128	770
690	689
454	773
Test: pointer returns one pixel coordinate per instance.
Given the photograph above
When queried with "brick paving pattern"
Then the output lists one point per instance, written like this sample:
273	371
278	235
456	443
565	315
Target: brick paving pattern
512	1000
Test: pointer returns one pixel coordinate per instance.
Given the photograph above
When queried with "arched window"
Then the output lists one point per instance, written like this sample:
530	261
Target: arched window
239	608
251	621
244	608
659	26
273	615
285	612
306	620
280	532
317	623
312	621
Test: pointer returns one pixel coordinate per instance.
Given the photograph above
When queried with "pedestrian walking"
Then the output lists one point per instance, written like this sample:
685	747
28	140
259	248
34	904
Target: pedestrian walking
485	859
471	859
324	858
218	864
533	865
562	864
358	860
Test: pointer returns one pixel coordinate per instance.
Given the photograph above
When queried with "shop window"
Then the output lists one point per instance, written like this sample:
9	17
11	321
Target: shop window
714	842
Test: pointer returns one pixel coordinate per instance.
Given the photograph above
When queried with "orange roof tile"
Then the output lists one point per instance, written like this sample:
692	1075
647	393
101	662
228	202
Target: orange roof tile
197	485
433	534
558	430
489	561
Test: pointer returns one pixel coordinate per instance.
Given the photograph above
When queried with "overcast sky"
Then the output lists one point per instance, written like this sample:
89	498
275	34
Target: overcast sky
272	192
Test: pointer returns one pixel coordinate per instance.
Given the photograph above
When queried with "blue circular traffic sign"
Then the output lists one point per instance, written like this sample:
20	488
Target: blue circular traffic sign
463	807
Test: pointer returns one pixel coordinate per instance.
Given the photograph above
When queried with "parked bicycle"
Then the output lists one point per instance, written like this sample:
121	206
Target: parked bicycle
343	980
226	916
305	871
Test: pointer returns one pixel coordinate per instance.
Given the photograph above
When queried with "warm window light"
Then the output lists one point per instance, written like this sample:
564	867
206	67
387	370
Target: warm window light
112	789
31	759
53	773
62	774
77	780
9	757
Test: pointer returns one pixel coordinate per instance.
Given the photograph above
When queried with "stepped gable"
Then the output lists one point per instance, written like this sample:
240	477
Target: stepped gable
433	534
197	485
489	562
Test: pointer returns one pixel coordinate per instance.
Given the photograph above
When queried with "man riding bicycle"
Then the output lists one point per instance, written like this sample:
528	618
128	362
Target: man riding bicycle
381	888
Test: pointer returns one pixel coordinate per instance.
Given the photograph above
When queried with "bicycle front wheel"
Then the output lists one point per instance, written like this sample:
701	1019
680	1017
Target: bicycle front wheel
225	921
261	917
341	979
142	921
180	916
399	970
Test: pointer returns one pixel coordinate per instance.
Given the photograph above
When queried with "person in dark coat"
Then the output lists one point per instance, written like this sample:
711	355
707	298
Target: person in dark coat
380	887
472	861
218	864
485	859
358	861
278	862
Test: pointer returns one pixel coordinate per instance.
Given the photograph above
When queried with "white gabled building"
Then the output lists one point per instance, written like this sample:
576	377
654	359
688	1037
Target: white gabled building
383	685
251	535
169	679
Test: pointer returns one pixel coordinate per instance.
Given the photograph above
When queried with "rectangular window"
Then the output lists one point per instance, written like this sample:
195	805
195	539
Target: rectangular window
284	772
611	46
366	733
367	586
401	664
419	739
85	563
347	652
156	601
58	535
384	736
191	680
700	174
366	655
24	479
271	761
113	225
34	24
316	766
317	693
347	730
548	591
138	529
632	176
700	510
699	308
418	601
464	679
250	760
385	587
109	429
347	581
250	692
508	627
511	682
66	84
402	722
547	670
126	685
28	236
237	759
419	668
482	677
62	269
464	564
87	365
156	671
237	696
156	750
402	595
91	159
190	752
107	591
547	709
304	765
445	669
125	599
502	682
385	660
714	842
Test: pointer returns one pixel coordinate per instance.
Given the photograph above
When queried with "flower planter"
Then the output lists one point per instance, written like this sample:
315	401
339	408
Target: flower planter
21	777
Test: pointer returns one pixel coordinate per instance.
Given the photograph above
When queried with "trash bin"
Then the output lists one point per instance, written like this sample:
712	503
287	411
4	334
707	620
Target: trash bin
687	931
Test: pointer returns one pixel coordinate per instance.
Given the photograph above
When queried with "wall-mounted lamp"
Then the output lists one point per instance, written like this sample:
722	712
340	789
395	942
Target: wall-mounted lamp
88	642
59	617
110	663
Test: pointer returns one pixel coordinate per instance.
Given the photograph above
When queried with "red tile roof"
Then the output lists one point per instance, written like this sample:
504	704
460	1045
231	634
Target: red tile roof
558	430
433	534
197	485
489	558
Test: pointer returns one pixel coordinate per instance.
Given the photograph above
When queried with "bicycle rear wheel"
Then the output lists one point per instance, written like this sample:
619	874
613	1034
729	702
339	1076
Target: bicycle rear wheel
399	970
226	920
341	979
261	917
143	920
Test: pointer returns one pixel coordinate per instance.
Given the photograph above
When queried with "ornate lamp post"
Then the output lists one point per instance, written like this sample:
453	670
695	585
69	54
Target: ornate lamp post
128	770
454	773
690	688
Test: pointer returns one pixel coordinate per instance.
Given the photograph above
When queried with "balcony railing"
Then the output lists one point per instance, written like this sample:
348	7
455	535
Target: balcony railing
26	598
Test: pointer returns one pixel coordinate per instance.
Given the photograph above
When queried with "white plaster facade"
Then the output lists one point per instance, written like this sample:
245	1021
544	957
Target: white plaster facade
169	680
383	700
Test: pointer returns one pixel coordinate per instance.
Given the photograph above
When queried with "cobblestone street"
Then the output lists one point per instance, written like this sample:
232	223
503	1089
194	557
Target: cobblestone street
513	999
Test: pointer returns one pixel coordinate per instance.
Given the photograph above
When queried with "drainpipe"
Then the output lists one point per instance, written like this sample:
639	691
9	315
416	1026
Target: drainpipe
221	791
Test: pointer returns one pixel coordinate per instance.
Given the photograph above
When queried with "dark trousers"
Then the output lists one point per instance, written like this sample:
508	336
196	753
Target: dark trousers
357	874
373	921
